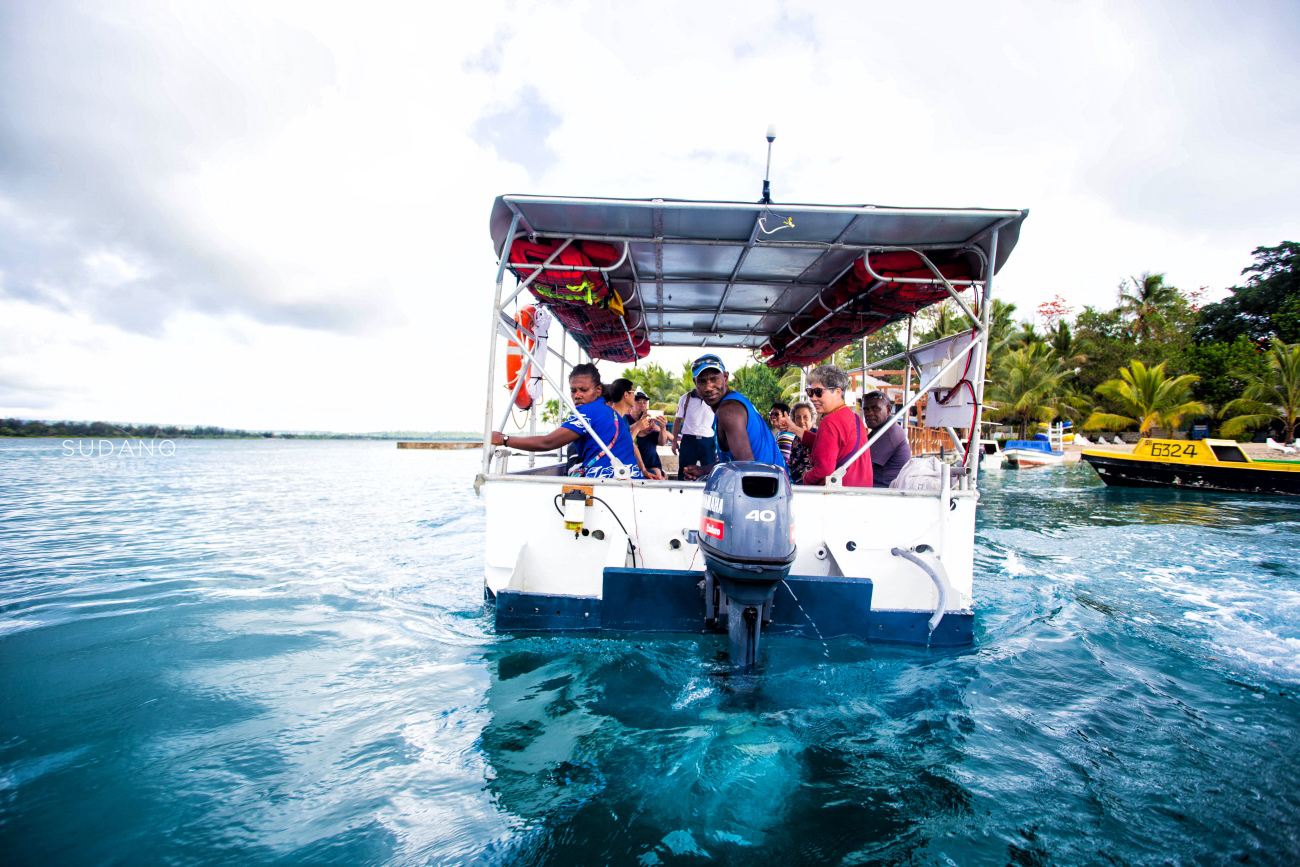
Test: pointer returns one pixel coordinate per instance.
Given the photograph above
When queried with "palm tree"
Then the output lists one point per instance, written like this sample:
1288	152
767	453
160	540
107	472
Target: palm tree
1275	395
1000	321
943	320
1145	299
1065	346
660	386
791	382
1027	386
1151	398
1028	334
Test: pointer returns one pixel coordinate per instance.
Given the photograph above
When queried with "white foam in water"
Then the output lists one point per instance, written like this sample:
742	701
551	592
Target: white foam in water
694	690
1246	622
1012	565
1257	646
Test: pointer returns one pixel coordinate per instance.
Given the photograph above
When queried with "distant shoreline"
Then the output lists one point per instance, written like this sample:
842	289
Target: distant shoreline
15	428
381	439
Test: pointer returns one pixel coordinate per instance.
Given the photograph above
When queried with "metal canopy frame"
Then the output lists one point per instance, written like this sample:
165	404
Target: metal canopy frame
717	274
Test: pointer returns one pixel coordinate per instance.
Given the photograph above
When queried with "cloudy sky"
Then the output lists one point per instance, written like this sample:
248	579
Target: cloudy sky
275	215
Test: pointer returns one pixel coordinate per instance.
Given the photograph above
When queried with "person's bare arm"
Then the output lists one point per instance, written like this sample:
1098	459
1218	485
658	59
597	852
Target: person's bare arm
557	438
731	421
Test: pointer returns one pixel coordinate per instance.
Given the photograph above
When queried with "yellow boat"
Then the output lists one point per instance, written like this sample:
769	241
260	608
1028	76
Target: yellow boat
1202	465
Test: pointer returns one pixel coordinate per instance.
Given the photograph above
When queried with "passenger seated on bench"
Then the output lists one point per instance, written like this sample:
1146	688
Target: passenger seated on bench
802	418
777	417
741	433
621	397
891	451
587	394
840	432
650	434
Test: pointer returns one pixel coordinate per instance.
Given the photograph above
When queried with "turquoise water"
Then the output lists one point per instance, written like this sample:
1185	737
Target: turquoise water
276	653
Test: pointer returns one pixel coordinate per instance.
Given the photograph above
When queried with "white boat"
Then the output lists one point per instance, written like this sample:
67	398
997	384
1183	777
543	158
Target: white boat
790	282
1031	453
1044	450
990	453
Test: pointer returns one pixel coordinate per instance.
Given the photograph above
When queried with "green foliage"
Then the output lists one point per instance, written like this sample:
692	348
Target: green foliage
940	320
1105	343
1218	366
1001	323
1145	299
660	386
790	383
1286	321
16	427
1061	340
849	358
880	344
1028	387
551	412
1271	290
1274	395
1145	397
1025	336
759	383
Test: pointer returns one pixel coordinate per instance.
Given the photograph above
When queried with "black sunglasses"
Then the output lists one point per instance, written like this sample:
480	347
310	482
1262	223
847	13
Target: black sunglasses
817	392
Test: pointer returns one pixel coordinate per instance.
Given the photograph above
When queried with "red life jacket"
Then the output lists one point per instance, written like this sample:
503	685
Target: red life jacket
862	305
588	308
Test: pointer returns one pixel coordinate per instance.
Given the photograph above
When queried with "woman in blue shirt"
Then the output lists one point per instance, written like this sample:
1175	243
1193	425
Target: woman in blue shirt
588	396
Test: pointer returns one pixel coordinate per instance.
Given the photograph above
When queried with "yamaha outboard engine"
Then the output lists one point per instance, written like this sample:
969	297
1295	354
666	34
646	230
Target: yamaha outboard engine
748	542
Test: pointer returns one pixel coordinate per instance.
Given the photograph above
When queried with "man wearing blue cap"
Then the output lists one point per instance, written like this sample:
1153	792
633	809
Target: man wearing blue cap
742	432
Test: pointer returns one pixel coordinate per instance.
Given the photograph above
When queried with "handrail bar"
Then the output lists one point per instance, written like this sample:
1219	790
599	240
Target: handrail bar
621	469
835	478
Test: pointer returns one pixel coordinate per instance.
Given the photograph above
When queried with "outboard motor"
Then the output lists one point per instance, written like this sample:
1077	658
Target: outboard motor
748	542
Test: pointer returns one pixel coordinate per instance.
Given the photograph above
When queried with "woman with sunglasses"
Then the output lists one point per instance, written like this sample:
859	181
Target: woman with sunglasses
840	432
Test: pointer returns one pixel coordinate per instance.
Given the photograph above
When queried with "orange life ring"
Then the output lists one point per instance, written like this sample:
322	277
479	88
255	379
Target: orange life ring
515	357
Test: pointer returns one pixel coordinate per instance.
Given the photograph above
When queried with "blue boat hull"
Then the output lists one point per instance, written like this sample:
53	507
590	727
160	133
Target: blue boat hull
666	601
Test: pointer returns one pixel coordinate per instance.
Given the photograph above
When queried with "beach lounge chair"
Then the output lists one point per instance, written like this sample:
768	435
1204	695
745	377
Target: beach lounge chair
1117	440
1275	446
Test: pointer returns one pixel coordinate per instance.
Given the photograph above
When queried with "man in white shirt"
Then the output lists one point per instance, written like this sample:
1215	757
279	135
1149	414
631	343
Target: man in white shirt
693	440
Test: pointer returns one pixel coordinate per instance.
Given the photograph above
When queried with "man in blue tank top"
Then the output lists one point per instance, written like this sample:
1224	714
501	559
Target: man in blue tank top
743	434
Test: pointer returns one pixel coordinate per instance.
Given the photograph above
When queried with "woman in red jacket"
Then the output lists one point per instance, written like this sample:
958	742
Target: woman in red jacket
840	432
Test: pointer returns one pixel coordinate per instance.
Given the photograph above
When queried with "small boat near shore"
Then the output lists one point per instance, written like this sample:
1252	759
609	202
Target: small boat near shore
1204	465
1044	450
1031	453
991	449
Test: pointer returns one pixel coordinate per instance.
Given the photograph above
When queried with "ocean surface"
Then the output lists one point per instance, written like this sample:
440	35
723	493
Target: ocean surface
255	652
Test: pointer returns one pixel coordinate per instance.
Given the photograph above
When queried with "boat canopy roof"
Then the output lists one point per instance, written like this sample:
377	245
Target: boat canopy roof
738	274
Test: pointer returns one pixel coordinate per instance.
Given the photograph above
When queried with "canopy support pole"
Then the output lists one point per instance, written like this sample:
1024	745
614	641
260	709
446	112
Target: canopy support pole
492	349
981	375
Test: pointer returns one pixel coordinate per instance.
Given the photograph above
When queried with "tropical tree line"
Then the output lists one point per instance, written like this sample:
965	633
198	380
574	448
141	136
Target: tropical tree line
17	427
1159	360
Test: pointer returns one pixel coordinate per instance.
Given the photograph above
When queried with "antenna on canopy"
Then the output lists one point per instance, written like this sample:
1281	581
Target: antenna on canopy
767	173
